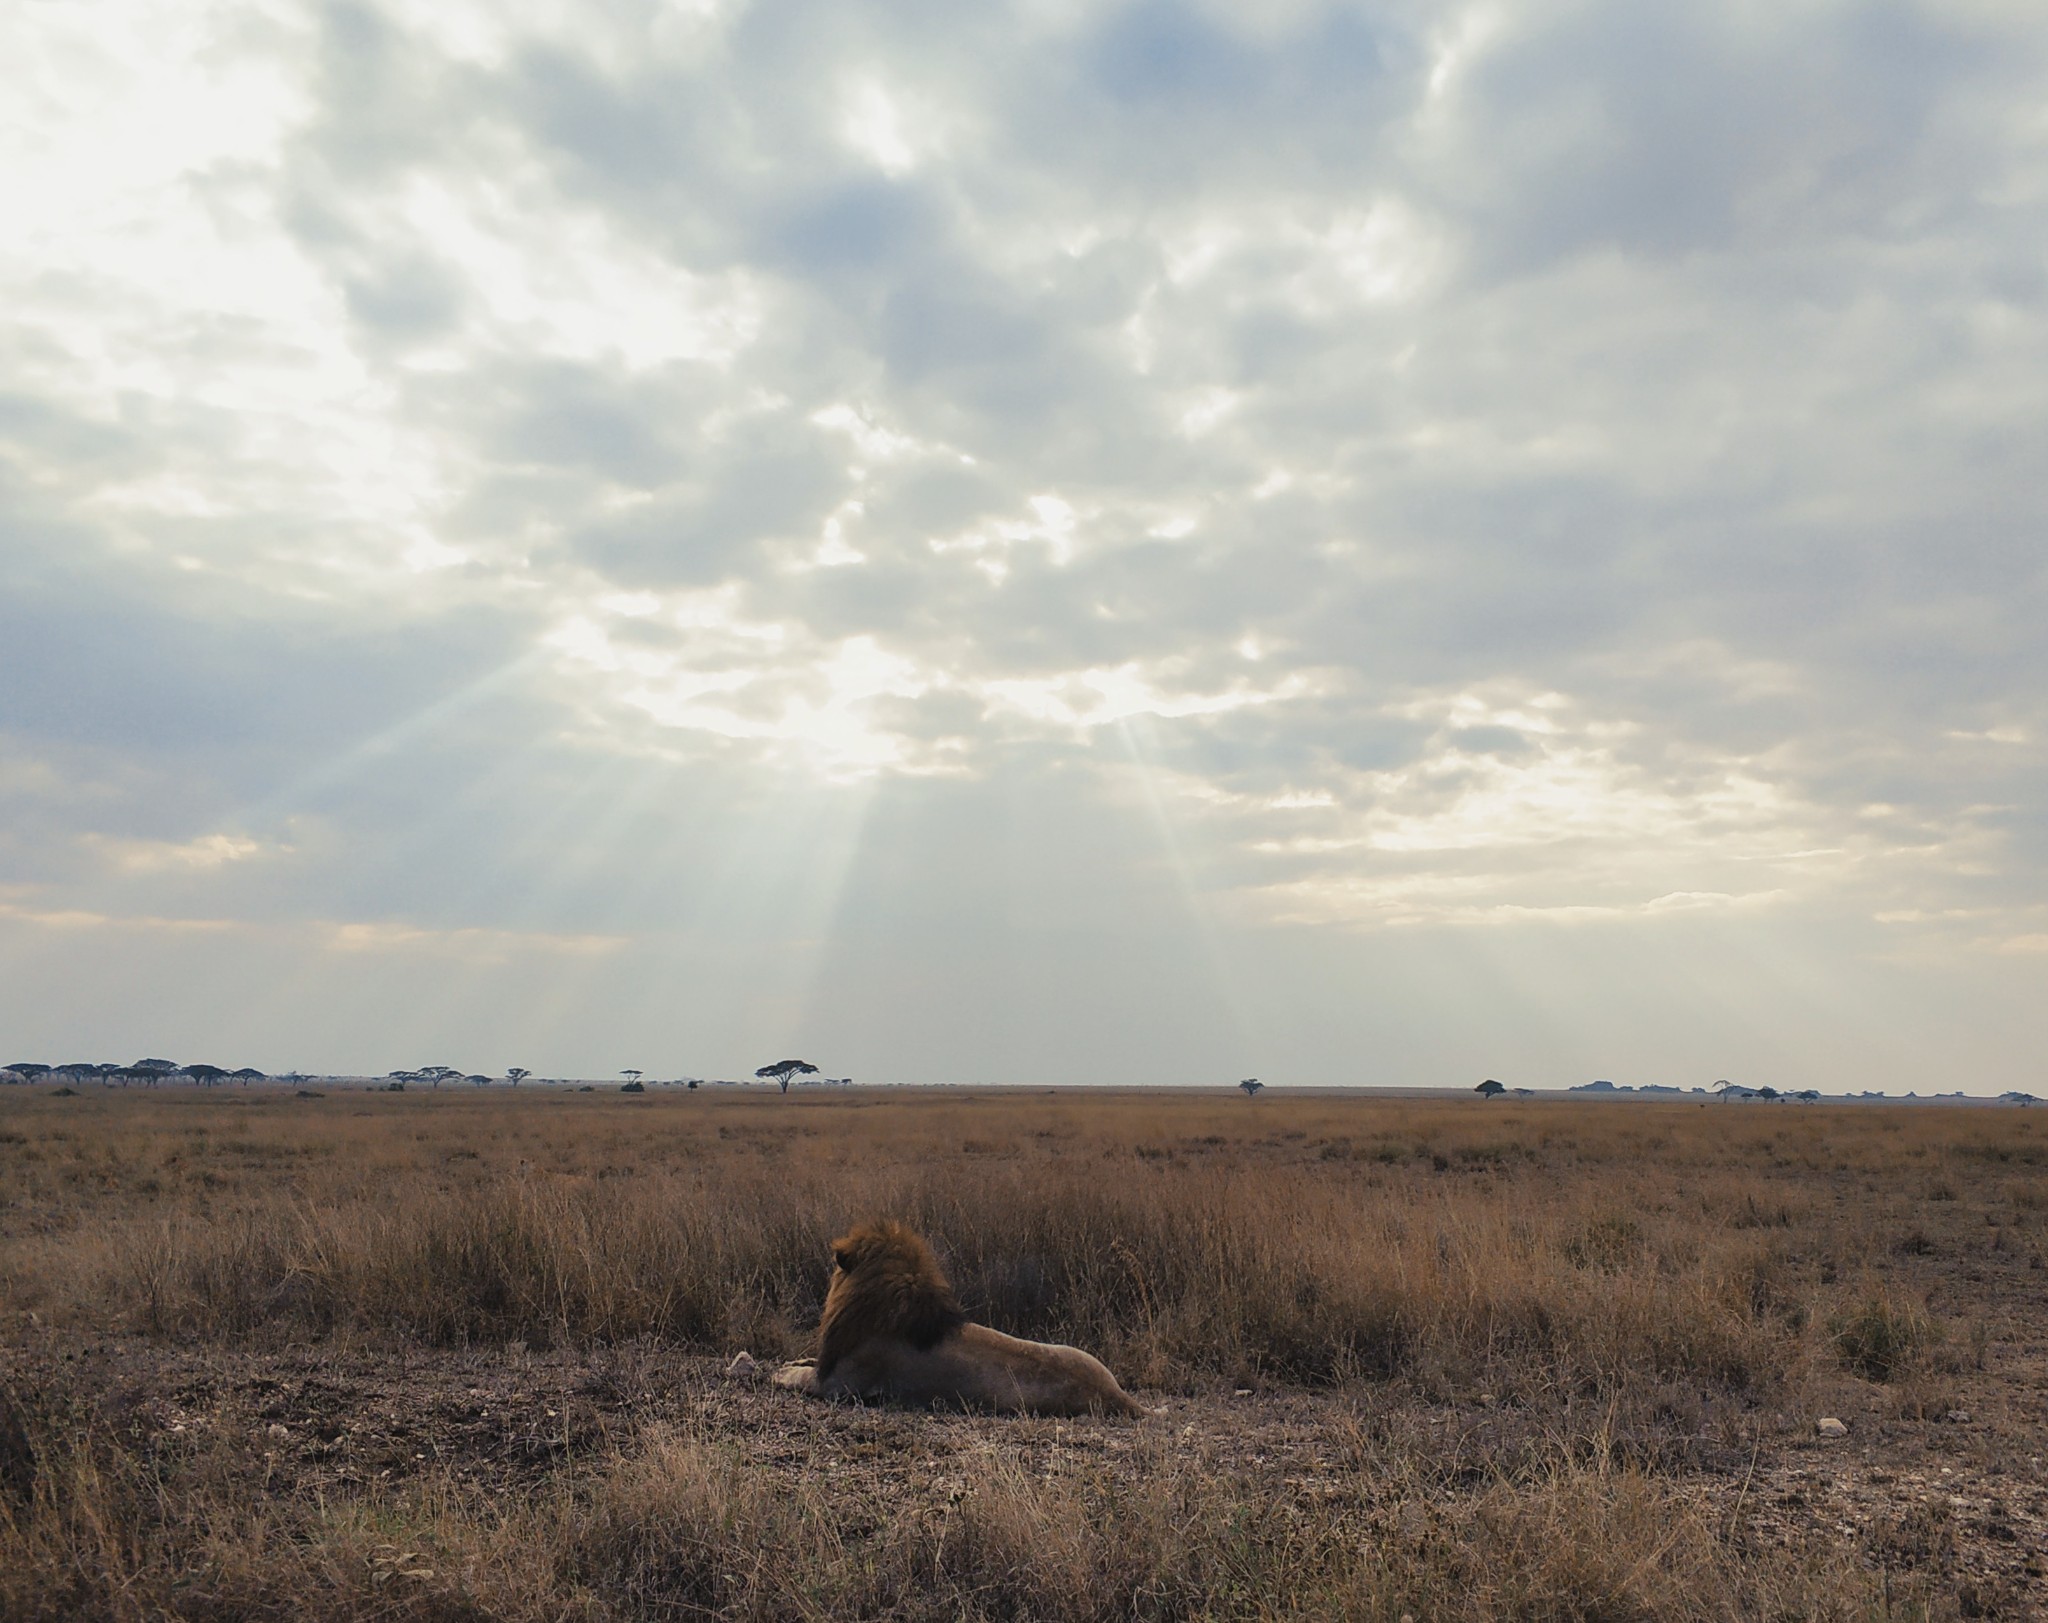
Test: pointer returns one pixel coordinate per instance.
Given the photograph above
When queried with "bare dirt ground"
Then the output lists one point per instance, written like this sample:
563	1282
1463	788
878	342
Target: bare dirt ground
1960	1498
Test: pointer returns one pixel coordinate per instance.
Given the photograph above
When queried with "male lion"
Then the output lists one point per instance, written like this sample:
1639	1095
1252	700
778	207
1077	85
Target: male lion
893	1328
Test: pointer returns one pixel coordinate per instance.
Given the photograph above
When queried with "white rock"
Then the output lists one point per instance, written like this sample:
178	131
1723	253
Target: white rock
1829	1426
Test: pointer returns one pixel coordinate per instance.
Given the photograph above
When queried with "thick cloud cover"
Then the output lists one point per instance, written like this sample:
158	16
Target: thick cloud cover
1052	542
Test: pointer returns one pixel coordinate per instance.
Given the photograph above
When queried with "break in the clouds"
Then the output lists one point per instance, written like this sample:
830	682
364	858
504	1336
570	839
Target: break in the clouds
1053	542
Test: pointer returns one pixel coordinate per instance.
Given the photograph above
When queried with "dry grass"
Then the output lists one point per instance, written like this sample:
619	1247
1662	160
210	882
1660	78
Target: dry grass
1622	1273
684	1528
1314	1241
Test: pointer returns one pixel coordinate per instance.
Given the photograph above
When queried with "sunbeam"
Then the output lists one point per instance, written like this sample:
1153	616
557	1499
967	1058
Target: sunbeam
1141	756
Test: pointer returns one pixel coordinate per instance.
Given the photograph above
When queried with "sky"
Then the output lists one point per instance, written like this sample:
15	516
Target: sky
1034	543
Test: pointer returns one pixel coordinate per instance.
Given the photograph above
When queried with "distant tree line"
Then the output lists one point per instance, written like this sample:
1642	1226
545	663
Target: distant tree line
149	1073
156	1072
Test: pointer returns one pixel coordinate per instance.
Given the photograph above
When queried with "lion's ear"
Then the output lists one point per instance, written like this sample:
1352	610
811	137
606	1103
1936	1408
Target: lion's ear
843	1259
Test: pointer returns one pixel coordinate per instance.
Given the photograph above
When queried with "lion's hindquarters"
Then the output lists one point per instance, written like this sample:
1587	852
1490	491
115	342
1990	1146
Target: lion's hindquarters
976	1368
1032	1377
1079	1383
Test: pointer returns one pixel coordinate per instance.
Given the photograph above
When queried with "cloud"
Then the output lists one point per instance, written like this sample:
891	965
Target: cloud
468	945
207	852
1669	134
73	919
1468	474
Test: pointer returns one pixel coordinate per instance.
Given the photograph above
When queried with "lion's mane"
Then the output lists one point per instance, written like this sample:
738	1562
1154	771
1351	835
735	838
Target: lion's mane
885	1282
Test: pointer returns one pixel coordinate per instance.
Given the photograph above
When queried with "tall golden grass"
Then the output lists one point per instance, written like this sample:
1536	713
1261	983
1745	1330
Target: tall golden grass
1311	1240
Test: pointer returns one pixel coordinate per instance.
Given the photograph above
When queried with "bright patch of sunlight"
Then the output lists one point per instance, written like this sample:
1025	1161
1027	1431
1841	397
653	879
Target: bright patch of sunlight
875	127
1208	408
834	551
1458	44
1384	253
1192	253
427	554
834	733
1096	698
120	112
1055	527
582	289
1054	524
1991	735
874	442
744	683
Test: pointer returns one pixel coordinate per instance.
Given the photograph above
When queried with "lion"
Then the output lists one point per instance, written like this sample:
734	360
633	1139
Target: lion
892	1328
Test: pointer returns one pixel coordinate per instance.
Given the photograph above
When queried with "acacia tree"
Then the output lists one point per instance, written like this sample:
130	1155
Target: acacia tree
1489	1089
1251	1086
517	1074
783	1069
632	1076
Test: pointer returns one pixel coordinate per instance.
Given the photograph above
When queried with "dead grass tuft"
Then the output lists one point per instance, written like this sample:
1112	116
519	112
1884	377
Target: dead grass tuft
1883	1336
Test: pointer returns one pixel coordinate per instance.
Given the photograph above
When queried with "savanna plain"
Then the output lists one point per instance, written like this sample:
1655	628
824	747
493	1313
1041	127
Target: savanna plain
428	1356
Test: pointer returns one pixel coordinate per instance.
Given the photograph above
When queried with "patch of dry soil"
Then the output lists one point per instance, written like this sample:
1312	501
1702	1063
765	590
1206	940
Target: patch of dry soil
1960	1498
